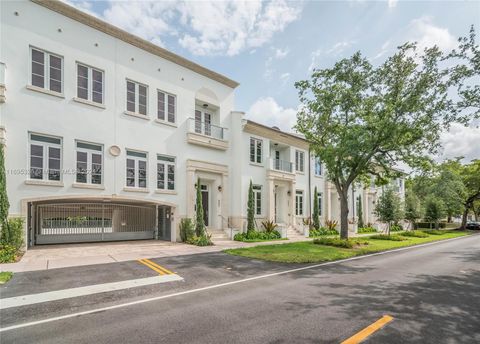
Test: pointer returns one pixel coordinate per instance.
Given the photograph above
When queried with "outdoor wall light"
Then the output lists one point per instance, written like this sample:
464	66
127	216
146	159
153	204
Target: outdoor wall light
205	105
220	188
289	192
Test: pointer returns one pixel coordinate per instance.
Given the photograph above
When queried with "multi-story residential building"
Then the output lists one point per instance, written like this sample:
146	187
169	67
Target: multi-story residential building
107	136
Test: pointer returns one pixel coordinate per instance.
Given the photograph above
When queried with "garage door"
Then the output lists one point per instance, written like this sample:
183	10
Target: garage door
87	222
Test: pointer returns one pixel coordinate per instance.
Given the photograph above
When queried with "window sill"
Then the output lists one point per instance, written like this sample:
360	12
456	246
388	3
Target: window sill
318	175
166	192
45	91
300	172
170	124
88	102
256	164
44	182
132	189
137	115
88	186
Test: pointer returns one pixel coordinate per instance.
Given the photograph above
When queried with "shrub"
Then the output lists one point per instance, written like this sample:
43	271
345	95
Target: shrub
204	240
396	228
187	229
269	226
321	231
387	237
415	234
367	230
434	232
12	235
254	235
337	242
8	253
331	224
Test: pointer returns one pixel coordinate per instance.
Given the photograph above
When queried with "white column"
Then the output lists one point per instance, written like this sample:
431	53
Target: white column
271	199
190	193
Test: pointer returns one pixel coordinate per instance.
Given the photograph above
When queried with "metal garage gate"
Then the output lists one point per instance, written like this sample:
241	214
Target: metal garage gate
87	222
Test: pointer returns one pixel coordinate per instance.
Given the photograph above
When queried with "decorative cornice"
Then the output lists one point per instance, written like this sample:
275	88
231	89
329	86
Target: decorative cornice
274	134
100	25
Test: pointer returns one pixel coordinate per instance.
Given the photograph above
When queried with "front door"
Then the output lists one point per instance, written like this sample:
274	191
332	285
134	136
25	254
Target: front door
205	202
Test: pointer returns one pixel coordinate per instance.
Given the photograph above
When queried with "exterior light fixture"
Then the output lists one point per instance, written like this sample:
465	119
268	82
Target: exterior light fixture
220	188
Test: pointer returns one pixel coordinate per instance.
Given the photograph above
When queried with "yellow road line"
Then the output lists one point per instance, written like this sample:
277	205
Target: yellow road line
367	331
159	267
154	266
151	267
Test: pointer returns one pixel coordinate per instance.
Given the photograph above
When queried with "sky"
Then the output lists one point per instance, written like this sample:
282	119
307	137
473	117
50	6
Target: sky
269	45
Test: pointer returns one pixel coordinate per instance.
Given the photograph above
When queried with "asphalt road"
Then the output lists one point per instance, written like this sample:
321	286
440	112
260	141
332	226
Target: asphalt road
432	292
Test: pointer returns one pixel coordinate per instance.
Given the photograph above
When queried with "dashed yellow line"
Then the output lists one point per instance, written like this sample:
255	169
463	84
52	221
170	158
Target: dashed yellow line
154	266
367	331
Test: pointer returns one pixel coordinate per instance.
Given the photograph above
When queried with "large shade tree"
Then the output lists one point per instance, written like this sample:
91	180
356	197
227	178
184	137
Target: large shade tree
362	120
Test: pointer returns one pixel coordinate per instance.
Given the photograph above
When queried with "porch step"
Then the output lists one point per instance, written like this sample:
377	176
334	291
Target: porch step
218	235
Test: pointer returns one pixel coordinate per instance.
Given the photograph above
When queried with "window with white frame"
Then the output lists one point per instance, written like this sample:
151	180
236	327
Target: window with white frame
136	169
299	161
318	166
256	150
203	122
47	70
167	106
137	97
89	163
90	83
257	197
299	203
165	172
320	203
45	157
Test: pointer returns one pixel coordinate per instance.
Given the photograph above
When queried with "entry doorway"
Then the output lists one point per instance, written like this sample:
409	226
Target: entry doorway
205	203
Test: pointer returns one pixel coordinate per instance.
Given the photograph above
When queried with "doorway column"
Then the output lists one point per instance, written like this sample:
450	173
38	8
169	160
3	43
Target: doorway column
292	202
271	199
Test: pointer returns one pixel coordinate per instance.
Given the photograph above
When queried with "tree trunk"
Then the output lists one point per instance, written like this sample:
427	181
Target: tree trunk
449	218
343	214
464	218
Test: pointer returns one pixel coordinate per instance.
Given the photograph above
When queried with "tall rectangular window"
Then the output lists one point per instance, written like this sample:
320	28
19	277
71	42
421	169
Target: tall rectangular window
165	172
257	197
255	150
137	97
318	166
47	70
320	203
203	123
299	203
136	169
89	163
299	161
90	83
167	104
45	157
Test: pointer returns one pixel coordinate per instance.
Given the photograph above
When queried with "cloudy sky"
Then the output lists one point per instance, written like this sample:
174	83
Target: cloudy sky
267	46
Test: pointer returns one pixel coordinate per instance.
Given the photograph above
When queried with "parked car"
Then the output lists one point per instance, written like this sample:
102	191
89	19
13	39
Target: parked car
473	225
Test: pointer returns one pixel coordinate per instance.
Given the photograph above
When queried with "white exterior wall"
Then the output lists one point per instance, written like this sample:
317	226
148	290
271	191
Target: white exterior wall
29	111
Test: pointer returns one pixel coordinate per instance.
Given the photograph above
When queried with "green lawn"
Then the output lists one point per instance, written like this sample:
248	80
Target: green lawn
5	276
308	252
262	240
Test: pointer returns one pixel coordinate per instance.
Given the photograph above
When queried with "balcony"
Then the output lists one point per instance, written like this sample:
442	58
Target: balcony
281	165
206	134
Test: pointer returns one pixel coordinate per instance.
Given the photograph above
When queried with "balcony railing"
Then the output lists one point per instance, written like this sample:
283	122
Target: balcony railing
207	129
281	165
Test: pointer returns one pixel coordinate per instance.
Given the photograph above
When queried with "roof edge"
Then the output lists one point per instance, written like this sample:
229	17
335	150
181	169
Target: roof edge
109	29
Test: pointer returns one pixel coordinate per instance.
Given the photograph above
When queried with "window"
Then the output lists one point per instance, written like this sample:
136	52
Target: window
299	161
167	106
136	169
165	172
299	203
137	97
320	198
89	163
46	70
89	83
255	150
45	157
257	197
203	123
318	166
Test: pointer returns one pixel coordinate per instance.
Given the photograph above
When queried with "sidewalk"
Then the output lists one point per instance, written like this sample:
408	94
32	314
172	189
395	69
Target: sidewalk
60	256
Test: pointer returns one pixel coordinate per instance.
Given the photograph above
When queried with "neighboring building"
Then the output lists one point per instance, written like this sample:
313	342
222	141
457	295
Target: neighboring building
107	135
